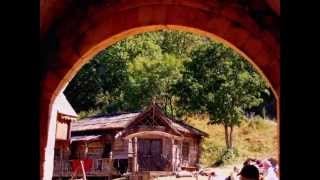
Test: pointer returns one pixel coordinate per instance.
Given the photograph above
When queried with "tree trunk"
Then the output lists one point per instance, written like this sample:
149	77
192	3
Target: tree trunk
165	103
230	136
171	107
226	134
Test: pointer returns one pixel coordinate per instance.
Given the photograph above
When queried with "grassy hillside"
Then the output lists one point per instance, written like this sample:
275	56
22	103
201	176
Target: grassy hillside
256	138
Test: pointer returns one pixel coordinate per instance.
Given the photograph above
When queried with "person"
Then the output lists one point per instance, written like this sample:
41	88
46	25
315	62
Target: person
276	169
249	172
273	162
275	165
249	161
233	175
268	171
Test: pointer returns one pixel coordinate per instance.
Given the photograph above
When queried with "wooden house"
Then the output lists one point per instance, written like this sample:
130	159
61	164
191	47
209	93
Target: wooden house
65	115
132	143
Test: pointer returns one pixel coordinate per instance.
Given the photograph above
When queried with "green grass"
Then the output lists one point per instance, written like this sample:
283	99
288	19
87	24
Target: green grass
255	138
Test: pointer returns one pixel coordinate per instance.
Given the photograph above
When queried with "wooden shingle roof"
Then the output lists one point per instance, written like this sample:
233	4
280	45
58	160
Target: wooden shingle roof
104	122
121	121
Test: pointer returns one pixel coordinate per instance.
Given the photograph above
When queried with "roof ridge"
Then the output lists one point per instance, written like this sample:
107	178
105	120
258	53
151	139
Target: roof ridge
109	115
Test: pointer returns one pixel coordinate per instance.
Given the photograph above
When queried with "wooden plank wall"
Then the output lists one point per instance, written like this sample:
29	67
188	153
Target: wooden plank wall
193	152
62	132
120	149
95	149
167	148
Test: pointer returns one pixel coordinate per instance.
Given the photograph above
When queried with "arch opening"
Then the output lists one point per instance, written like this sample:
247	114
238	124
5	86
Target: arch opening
91	52
123	35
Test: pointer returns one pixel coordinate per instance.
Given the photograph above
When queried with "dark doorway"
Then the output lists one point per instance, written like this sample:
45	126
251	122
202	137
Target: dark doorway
121	165
106	150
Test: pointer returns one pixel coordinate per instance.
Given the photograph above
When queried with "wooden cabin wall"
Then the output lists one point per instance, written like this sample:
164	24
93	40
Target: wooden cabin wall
193	157
120	149
66	154
95	150
193	151
62	130
167	148
63	151
80	150
90	150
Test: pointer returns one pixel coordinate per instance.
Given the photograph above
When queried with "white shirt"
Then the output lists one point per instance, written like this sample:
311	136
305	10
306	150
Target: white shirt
270	175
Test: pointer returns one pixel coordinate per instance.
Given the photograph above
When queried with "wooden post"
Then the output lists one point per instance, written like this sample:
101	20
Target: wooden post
130	154
181	155
135	155
173	157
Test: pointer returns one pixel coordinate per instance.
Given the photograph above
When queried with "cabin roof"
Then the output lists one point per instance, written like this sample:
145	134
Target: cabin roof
104	122
63	106
121	121
85	138
185	128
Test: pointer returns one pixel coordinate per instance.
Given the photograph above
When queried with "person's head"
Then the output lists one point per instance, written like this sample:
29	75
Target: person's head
249	172
266	164
273	161
258	162
249	161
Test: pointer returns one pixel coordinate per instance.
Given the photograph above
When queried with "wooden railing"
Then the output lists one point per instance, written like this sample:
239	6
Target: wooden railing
100	167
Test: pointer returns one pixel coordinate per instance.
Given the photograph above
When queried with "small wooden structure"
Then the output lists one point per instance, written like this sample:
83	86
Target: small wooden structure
140	144
65	115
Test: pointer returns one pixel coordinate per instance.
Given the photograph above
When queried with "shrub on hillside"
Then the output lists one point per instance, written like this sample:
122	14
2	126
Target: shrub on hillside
226	156
256	137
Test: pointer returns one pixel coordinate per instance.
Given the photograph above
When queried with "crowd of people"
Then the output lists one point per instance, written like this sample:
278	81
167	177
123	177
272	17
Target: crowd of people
254	169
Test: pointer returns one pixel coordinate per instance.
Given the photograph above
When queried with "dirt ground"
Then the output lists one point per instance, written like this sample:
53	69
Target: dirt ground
222	173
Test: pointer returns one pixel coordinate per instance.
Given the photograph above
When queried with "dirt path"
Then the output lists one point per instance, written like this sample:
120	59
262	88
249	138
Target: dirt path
222	172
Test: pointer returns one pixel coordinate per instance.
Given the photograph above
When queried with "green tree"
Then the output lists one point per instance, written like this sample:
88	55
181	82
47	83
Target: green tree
99	82
152	78
220	82
125	76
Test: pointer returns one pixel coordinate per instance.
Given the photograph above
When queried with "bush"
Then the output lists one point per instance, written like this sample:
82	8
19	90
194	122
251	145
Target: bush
226	156
210	152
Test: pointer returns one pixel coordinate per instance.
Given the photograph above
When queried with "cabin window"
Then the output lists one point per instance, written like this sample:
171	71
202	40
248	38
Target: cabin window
185	151
107	150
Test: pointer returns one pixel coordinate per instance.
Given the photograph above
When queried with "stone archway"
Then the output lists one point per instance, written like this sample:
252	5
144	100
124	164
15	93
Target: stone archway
89	27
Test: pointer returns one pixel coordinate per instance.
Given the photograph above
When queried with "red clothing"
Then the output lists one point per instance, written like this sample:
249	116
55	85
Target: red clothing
76	165
87	163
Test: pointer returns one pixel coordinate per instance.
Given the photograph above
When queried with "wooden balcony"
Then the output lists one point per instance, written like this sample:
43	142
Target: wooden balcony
100	167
